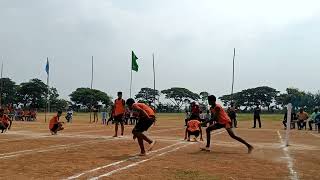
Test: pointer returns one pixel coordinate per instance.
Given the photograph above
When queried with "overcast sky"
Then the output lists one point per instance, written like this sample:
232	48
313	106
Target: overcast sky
277	43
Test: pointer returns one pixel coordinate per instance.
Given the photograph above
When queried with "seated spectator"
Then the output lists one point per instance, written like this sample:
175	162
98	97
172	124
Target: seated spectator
302	119
313	118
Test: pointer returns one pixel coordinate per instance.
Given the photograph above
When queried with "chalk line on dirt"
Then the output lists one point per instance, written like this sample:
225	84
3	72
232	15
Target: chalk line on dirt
117	163
293	173
131	158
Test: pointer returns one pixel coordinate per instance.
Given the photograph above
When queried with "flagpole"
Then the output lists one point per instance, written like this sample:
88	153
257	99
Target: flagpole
234	55
154	82
48	90
91	87
1	84
131	80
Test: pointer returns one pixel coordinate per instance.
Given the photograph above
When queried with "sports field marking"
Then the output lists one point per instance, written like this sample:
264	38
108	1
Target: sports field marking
293	173
145	160
316	135
117	163
50	148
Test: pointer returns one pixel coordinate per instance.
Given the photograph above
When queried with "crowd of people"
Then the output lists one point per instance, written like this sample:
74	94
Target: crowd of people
302	119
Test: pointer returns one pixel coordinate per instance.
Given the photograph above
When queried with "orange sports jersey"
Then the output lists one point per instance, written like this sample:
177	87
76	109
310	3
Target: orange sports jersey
223	117
144	107
53	121
5	120
194	125
119	107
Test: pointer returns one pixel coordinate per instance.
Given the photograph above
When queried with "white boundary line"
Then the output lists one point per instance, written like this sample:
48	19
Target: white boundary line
135	157
145	160
316	135
117	163
137	163
293	173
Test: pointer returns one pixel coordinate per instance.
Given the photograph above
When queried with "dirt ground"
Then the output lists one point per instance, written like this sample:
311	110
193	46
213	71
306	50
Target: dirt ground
88	151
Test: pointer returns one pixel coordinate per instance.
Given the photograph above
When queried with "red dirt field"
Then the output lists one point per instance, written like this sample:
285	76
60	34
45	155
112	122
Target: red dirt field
87	151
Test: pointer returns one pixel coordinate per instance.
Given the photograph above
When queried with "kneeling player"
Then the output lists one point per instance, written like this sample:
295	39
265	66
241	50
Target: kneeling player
55	125
193	129
4	121
223	121
146	119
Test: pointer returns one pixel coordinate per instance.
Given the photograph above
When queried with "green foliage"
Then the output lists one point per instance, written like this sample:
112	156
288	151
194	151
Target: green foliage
249	98
9	91
32	93
88	97
147	95
180	96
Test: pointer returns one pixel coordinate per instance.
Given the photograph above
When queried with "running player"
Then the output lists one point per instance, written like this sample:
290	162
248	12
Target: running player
55	125
193	128
146	118
119	110
223	121
4	121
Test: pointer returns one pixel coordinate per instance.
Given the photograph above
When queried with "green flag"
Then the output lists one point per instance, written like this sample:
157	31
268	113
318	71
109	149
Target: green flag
135	66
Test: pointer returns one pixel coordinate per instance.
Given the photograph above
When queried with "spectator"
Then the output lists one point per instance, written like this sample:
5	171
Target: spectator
302	119
313	118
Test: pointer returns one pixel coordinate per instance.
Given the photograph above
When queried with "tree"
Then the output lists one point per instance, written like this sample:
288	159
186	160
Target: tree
9	91
89	97
33	92
204	97
180	96
58	104
147	95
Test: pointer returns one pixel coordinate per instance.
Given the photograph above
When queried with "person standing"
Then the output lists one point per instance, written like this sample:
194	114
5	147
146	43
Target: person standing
232	112
256	116
119	111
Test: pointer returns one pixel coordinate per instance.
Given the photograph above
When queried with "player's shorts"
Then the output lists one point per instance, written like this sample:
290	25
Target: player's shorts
219	126
194	133
143	124
55	127
118	118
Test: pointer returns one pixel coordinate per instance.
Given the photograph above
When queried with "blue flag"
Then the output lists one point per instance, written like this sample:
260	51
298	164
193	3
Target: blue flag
47	67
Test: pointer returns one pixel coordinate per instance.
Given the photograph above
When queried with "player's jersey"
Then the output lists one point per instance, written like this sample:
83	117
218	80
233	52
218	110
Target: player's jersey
5	120
119	107
145	107
193	125
53	121
223	117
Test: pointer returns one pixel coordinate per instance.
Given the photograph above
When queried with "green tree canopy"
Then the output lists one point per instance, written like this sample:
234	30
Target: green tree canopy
180	96
32	93
147	95
88	97
9	91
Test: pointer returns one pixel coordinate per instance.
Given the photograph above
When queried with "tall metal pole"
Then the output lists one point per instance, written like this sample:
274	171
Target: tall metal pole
1	88
234	55
131	81
48	96
154	82
91	87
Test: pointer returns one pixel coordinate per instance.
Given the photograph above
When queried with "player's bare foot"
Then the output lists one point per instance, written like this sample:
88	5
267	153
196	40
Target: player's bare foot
152	145
250	149
142	154
205	149
115	136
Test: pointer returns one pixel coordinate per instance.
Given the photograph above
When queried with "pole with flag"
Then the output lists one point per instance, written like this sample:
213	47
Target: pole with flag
48	101
134	67
91	88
